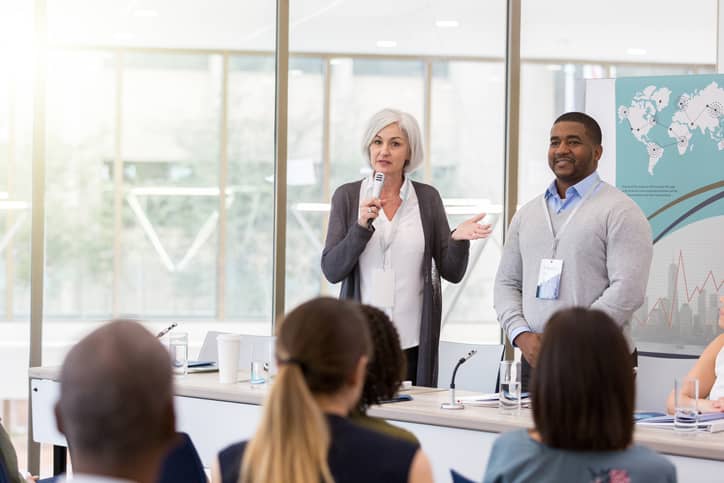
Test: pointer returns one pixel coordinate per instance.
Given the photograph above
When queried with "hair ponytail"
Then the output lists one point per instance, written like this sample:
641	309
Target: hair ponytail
292	440
320	343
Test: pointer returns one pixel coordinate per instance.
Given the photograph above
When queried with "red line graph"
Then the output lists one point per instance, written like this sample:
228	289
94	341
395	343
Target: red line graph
681	268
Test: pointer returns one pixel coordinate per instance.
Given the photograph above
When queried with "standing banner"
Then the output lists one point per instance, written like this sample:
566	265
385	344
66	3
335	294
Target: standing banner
664	147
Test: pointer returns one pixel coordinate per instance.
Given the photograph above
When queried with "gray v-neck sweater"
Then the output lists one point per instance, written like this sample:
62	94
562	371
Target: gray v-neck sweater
606	251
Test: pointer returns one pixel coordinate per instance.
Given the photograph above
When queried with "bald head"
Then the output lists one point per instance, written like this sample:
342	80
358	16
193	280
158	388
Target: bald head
116	400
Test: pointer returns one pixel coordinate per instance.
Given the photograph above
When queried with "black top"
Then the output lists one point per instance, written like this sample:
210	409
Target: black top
355	455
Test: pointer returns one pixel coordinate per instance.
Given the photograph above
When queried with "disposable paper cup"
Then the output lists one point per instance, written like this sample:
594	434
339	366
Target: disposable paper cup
229	346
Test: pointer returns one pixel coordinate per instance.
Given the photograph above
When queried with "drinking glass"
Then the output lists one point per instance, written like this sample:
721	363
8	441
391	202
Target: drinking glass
686	412
178	346
260	363
509	398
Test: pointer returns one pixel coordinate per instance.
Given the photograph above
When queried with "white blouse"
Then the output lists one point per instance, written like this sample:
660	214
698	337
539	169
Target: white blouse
717	390
397	245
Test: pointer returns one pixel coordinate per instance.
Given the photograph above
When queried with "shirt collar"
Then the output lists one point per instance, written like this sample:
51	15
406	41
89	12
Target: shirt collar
404	189
581	188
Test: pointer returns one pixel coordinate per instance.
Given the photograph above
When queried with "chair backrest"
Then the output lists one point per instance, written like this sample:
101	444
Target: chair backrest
209	349
260	347
182	463
479	373
655	378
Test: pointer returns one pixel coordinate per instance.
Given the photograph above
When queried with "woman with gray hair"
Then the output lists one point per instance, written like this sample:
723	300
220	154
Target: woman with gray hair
390	250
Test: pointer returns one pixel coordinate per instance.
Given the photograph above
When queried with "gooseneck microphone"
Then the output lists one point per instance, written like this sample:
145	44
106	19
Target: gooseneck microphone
454	404
377	181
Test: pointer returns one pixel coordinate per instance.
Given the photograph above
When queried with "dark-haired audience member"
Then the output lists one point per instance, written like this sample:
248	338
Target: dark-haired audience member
116	405
385	372
583	401
304	436
590	242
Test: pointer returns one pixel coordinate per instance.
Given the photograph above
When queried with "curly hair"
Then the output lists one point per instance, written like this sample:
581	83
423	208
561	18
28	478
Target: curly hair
388	365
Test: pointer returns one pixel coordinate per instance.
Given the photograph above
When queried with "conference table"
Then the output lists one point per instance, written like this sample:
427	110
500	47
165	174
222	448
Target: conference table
216	414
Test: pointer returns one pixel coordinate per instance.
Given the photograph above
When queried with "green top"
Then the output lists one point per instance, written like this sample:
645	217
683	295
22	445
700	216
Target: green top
8	456
381	426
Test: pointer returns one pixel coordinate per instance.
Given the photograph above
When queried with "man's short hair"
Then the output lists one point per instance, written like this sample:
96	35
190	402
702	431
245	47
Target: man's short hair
592	127
583	384
116	394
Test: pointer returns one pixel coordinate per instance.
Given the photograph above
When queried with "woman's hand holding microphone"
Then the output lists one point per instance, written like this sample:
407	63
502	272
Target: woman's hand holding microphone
369	209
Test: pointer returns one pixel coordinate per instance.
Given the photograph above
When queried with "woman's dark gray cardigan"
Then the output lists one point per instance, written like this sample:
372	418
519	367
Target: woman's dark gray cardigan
443	256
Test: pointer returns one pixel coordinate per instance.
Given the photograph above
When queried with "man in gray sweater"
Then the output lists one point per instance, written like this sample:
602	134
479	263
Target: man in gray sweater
581	243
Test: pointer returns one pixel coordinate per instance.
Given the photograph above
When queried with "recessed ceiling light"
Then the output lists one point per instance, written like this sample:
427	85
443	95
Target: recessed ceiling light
386	43
124	36
636	51
447	24
145	13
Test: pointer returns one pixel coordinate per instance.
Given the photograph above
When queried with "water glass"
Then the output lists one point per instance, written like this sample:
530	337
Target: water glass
686	412
509	398
259	364
178	346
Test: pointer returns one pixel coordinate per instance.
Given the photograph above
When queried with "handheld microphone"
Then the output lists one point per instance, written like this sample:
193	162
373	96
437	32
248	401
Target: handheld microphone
377	181
454	404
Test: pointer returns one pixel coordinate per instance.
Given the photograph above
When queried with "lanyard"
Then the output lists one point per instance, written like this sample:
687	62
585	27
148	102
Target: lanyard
389	236
391	232
557	236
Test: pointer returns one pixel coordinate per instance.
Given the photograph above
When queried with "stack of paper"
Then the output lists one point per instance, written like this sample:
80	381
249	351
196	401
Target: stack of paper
490	400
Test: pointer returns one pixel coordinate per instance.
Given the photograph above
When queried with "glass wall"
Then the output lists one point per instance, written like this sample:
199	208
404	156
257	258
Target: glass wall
649	40
160	144
443	64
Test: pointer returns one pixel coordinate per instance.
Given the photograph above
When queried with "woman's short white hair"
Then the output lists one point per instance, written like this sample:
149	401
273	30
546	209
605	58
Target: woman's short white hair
409	127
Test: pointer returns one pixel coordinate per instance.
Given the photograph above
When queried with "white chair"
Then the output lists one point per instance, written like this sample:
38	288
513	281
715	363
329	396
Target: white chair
479	373
258	347
655	378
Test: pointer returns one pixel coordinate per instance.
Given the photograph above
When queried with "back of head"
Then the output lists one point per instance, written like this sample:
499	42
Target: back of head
116	400
583	383
388	365
319	345
592	127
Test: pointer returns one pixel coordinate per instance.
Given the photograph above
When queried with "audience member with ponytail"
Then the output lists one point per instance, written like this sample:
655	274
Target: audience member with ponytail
304	436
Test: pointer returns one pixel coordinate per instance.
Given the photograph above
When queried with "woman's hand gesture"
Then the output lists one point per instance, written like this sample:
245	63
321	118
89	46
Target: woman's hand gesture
472	230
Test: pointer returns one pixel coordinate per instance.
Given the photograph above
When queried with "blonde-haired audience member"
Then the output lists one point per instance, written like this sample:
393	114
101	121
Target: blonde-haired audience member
709	369
322	350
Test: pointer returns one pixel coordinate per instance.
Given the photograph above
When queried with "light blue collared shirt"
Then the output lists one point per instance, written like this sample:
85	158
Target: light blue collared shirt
574	194
556	204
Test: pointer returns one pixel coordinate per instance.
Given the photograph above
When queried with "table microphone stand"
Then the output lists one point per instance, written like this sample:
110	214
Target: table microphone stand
453	404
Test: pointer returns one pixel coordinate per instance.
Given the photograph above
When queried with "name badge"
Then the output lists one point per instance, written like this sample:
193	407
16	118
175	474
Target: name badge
549	279
383	288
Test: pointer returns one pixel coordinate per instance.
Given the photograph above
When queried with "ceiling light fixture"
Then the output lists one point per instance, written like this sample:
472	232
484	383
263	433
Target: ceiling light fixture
145	13
636	51
124	36
447	24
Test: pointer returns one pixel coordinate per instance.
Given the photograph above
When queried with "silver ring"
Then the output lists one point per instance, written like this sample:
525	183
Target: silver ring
369	209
